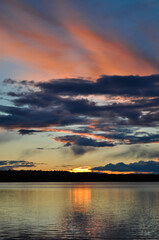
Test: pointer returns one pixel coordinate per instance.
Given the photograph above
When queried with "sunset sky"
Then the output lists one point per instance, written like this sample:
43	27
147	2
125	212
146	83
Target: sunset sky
79	85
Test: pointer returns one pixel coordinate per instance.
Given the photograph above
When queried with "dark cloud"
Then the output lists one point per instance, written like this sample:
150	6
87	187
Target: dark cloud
120	138
40	148
80	145
64	102
80	150
27	131
54	102
9	81
134	138
113	85
28	117
67	144
138	167
13	164
35	98
82	141
23	82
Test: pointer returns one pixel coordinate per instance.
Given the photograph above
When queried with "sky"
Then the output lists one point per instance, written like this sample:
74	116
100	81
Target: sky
79	85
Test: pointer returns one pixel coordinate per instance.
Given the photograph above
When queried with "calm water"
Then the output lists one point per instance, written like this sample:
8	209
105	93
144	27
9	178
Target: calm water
79	211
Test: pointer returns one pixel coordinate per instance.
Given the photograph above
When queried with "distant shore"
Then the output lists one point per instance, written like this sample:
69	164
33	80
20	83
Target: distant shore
64	176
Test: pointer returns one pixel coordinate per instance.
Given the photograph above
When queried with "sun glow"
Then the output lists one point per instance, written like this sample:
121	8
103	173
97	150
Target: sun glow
81	169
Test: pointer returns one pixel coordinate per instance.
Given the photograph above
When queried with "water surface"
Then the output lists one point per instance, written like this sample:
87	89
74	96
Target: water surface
79	211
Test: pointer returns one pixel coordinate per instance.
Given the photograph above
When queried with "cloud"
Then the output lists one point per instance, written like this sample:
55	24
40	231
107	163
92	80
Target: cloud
13	164
104	55
140	106
80	145
6	137
64	166
138	167
134	138
82	141
104	77
111	85
28	131
9	81
58	103
63	106
40	148
17	117
18	83
137	152
80	150
66	44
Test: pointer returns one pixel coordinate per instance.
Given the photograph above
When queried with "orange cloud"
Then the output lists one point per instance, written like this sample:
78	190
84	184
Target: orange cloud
100	137
117	172
68	48
49	61
108	57
35	44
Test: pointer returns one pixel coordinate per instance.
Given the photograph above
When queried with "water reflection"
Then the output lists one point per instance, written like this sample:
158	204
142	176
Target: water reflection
79	211
80	196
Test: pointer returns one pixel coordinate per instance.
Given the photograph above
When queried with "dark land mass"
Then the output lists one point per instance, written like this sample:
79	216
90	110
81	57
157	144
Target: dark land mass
64	176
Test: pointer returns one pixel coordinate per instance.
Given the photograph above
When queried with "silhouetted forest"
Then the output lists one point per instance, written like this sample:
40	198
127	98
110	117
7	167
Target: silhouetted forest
64	176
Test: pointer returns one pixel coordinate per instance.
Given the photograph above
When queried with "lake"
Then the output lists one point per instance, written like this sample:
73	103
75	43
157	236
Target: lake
79	211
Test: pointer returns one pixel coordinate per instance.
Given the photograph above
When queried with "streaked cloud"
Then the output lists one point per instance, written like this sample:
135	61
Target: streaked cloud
50	42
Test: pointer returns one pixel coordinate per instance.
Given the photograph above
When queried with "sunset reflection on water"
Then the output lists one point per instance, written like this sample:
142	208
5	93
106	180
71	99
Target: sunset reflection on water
79	211
80	197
